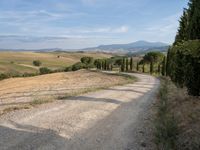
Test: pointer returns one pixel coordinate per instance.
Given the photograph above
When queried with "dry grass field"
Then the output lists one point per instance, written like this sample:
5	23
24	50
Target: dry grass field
17	93
21	62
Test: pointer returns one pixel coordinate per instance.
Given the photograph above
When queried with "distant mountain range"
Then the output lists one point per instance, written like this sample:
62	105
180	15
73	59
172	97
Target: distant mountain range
135	47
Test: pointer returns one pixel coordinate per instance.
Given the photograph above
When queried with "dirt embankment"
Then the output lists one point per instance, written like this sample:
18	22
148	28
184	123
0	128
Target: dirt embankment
21	91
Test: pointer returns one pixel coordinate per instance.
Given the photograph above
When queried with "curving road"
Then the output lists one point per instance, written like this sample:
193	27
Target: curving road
111	119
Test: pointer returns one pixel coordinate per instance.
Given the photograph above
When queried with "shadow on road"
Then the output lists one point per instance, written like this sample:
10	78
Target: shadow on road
93	99
30	138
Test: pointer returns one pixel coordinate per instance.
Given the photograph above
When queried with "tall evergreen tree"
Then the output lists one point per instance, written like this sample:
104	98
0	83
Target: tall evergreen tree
194	19
137	66
182	33
105	65
158	69
151	67
131	64
143	67
167	63
123	65
102	65
127	64
164	66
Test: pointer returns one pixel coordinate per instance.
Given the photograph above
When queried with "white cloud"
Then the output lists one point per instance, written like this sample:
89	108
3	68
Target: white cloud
122	29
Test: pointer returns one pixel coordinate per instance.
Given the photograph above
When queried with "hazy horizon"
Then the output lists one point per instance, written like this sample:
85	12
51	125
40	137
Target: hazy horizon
77	24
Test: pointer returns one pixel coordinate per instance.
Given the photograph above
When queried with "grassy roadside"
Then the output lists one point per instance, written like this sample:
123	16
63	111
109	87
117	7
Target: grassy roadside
177	123
28	105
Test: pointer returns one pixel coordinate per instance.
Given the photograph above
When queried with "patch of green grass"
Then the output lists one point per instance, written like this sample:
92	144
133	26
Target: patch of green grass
14	108
40	101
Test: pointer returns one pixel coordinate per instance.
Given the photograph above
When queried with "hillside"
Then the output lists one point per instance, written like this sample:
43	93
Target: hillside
21	62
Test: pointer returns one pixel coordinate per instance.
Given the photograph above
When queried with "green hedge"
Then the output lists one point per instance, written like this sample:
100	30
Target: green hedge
184	65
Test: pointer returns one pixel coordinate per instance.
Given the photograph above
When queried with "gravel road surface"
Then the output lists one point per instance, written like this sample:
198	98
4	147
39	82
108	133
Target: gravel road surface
113	119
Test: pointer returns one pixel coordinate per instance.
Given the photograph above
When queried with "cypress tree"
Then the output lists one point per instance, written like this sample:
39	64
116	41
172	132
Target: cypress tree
108	66
182	34
127	64
164	66
151	67
131	64
105	65
123	65
167	63
111	67
137	66
194	19
143	68
102	65
158	69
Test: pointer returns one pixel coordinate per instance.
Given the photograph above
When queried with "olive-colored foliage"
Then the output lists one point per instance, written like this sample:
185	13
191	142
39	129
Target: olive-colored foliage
98	63
87	60
153	57
37	63
45	70
78	66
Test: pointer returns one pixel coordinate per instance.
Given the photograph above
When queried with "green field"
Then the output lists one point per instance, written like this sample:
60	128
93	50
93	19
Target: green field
21	62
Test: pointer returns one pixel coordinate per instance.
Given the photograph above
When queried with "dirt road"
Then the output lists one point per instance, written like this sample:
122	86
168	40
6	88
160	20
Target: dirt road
110	119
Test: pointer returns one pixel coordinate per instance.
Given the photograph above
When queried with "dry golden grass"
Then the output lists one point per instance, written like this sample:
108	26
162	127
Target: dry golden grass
37	90
21	62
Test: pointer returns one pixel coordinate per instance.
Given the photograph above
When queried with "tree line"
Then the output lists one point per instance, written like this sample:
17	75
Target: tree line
156	61
183	59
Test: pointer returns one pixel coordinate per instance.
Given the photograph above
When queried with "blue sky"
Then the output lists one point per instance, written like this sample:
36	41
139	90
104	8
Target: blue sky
84	23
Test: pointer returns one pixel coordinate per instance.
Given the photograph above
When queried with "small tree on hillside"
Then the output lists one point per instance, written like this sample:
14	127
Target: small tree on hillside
37	63
87	60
